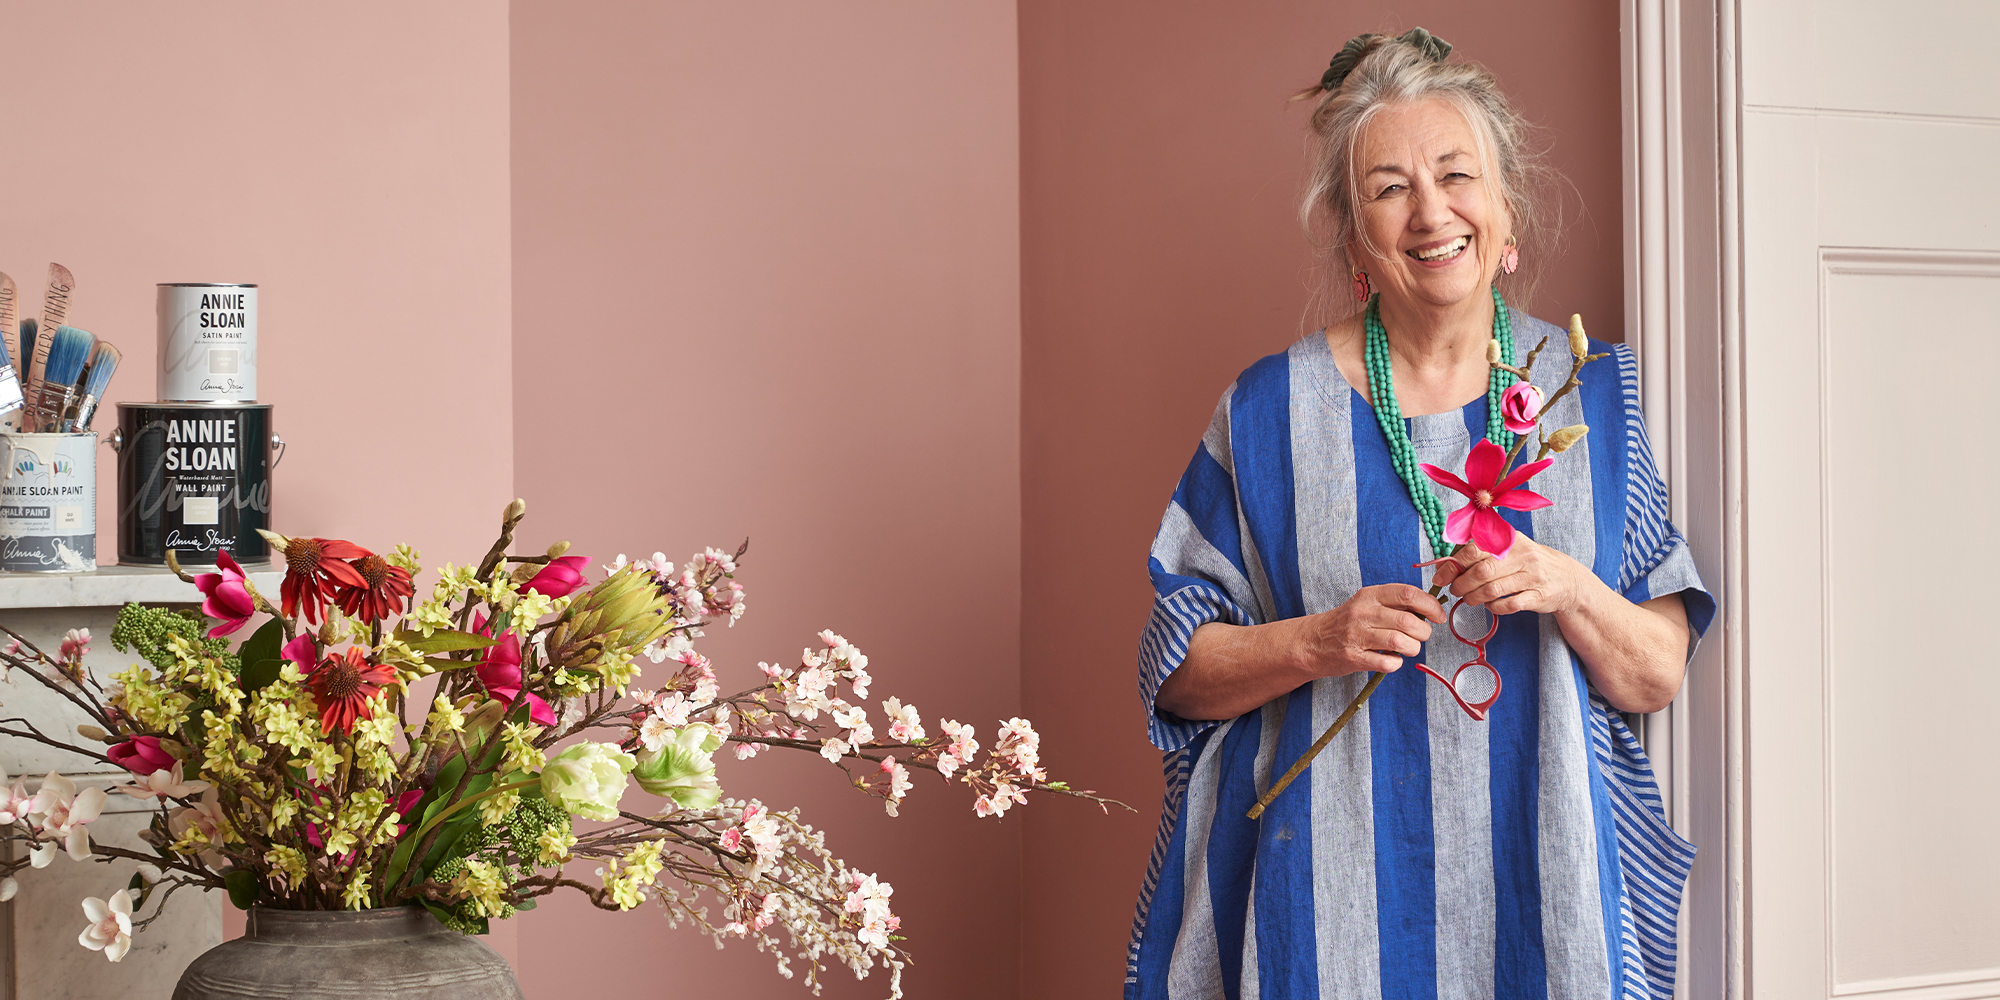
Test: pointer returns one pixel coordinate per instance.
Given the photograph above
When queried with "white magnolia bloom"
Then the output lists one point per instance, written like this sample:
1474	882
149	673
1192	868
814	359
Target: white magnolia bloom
64	810
41	854
110	928
8	887
164	783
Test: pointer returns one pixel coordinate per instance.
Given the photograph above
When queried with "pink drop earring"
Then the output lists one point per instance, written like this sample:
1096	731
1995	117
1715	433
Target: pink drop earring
1510	256
1361	291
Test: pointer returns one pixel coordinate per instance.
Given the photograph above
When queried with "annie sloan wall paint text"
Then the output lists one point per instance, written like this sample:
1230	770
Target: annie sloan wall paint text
193	480
208	343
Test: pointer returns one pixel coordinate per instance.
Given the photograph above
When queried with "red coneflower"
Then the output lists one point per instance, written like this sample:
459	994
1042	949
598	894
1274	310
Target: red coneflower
345	686
387	590
312	567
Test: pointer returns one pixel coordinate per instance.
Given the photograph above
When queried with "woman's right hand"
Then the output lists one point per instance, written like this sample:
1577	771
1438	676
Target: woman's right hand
1233	669
1375	629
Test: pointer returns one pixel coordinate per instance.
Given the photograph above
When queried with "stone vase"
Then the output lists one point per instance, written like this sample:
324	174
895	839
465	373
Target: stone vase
401	952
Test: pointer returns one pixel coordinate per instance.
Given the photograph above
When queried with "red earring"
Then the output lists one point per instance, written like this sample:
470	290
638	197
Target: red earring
1361	286
1510	257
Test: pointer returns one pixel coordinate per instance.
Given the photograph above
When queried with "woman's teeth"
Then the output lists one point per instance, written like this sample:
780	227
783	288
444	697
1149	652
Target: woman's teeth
1444	252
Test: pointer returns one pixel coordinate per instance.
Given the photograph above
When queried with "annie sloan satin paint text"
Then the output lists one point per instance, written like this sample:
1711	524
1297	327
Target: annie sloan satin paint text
193	480
48	503
208	343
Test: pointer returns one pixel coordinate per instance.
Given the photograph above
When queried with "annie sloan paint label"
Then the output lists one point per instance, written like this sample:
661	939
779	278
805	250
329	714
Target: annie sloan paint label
193	480
48	503
208	343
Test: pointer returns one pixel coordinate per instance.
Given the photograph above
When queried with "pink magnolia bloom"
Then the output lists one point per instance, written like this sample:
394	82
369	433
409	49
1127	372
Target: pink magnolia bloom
500	671
15	803
226	598
302	651
141	755
164	783
1478	521
1520	406
560	578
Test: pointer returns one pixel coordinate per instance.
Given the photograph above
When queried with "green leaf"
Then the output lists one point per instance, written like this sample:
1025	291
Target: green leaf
443	640
243	887
260	673
441	664
267	643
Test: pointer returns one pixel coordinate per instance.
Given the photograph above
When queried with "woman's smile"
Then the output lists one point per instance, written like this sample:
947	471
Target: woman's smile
1440	253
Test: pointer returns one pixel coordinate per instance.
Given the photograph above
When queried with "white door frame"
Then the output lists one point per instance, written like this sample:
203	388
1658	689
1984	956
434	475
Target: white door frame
1683	318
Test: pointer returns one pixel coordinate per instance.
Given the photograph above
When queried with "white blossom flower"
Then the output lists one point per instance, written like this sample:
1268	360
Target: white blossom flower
110	928
904	724
833	750
165	783
63	811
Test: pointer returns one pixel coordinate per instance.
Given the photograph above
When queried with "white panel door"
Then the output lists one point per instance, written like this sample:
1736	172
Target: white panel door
1870	194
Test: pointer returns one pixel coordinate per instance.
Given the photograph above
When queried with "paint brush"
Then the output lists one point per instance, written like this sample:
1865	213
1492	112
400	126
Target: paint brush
55	312
97	374
10	315
68	350
26	354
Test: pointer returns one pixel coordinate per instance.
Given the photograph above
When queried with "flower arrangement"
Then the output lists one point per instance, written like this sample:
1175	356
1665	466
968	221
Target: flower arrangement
302	769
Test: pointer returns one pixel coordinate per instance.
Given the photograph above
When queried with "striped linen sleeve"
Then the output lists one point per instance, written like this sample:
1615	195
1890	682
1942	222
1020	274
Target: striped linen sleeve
1198	576
1656	560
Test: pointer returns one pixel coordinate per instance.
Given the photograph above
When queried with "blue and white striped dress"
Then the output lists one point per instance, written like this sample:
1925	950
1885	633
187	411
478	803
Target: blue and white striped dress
1423	854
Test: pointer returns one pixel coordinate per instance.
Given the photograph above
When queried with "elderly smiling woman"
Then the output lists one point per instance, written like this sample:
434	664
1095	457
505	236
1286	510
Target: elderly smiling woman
1426	852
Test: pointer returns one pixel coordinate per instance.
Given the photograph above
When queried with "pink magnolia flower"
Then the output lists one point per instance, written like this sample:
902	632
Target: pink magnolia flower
141	755
500	671
1520	406
302	651
1478	521
164	783
15	803
560	578
226	598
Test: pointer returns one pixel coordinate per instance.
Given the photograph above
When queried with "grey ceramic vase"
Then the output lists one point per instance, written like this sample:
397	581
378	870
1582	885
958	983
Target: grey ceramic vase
395	954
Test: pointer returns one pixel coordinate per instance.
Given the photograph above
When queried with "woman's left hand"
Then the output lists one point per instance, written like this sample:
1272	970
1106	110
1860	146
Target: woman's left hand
1533	577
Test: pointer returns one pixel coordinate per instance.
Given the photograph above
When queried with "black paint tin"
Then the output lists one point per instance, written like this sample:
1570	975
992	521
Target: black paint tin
195	480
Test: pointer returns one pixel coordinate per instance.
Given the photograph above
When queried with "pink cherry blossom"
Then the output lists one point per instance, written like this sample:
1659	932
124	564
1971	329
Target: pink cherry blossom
1478	521
75	643
226	596
1520	406
905	726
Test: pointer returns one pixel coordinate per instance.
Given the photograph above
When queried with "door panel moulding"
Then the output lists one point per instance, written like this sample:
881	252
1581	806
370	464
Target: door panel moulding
1682	319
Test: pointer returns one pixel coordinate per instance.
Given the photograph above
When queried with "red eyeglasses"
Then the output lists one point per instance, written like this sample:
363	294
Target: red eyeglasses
1476	684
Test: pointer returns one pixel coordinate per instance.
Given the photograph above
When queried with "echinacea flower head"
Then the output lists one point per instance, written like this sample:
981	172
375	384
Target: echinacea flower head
1521	407
225	596
312	567
560	578
1479	521
346	687
385	590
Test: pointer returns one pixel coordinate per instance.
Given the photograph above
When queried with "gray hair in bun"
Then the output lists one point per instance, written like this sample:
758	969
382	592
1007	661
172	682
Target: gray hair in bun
1373	72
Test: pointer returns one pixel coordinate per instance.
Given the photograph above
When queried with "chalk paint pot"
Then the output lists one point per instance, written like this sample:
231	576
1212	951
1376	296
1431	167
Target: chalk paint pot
48	503
194	481
208	343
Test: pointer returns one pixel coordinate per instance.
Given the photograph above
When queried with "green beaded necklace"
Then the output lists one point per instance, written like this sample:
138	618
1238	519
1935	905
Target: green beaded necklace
1403	454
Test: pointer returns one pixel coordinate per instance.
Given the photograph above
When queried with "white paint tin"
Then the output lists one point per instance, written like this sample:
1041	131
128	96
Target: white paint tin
208	343
48	503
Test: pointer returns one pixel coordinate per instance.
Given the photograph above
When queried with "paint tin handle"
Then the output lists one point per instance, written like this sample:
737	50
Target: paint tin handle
117	439
278	443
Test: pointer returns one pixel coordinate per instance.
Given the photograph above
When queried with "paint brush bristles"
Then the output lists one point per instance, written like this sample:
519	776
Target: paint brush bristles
62	367
24	358
96	378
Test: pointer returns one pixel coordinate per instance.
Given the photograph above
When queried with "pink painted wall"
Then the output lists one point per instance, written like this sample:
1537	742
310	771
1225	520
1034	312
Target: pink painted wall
1160	164
358	175
766	268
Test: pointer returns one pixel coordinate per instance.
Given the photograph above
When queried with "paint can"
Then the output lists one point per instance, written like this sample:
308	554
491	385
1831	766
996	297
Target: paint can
48	503
208	343
194	480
